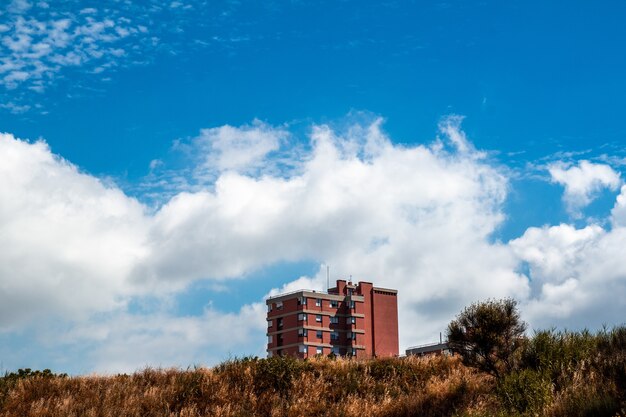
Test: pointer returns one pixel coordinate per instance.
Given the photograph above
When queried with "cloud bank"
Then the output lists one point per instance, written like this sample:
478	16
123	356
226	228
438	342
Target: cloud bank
417	218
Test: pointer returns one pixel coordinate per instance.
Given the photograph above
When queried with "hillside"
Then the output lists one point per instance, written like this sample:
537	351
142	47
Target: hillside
557	374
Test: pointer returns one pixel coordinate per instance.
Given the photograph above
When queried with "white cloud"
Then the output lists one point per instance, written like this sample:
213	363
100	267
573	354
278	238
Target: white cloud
618	214
40	43
242	149
166	340
583	182
419	219
578	276
19	6
36	48
15	108
408	218
451	127
69	242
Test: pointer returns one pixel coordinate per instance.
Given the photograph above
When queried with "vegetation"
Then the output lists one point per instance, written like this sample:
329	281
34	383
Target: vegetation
552	373
488	335
262	387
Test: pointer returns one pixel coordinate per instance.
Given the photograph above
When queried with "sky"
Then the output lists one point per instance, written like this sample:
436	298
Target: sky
165	166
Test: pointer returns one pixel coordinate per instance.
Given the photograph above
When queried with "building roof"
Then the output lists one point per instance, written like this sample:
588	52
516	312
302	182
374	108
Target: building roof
427	348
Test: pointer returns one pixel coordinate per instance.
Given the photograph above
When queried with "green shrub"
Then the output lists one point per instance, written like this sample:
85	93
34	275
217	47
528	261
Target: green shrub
276	374
553	350
611	359
558	355
525	391
487	335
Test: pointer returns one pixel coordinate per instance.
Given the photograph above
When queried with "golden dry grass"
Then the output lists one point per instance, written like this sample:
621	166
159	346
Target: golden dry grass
249	387
591	384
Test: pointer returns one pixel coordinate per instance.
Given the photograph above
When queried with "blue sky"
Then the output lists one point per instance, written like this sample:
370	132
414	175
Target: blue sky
165	165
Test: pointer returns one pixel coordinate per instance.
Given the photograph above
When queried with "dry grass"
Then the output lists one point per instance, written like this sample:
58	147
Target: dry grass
558	374
249	387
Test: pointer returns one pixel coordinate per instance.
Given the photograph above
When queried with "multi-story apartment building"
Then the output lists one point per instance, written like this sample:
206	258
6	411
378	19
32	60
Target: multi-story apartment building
356	320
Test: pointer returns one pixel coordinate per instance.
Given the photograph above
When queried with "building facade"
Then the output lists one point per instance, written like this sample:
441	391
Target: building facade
355	320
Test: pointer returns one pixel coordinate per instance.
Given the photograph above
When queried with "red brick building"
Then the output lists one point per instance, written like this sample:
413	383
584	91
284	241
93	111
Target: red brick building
356	320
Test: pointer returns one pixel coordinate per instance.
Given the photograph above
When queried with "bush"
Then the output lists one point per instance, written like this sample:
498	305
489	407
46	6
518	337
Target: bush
559	354
611	360
525	391
276	374
487	335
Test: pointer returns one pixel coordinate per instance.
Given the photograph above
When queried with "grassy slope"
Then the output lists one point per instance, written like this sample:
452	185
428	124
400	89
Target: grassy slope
276	387
558	374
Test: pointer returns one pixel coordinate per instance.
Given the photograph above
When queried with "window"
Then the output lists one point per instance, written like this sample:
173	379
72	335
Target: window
318	302
302	332
350	291
334	336
270	354
302	349
269	307
319	334
318	318
302	317
279	338
334	320
269	339
279	323
353	352
351	320
334	303
351	336
301	301
352	305
269	323
319	350
279	305
335	350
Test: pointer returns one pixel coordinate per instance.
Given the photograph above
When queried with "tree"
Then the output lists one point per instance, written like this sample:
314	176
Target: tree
487	335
